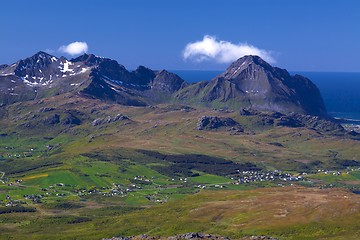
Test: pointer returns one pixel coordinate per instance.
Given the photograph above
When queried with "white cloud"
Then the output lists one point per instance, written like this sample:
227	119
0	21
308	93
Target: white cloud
209	48
74	48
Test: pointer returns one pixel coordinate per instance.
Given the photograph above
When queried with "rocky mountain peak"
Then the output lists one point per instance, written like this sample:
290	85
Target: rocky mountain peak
249	62
89	59
38	61
143	75
250	59
167	81
253	83
42	54
3	66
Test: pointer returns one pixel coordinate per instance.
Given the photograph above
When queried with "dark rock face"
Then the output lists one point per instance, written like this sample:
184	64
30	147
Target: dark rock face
113	71
251	82
143	76
112	82
108	90
210	123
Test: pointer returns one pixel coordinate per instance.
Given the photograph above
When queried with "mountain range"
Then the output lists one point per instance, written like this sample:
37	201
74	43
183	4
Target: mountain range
249	82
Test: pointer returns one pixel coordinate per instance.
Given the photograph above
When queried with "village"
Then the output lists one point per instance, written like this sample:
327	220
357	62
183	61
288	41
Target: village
260	176
139	183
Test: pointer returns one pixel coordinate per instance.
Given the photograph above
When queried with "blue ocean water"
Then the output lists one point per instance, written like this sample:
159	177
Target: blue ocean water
340	91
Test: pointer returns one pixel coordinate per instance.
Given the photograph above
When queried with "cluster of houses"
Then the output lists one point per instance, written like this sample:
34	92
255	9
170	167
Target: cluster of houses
9	202
35	198
138	182
335	173
210	186
184	179
260	176
28	153
141	180
14	183
24	153
120	190
116	190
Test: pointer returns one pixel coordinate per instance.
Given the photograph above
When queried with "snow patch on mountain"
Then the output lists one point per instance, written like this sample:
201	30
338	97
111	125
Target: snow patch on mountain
66	68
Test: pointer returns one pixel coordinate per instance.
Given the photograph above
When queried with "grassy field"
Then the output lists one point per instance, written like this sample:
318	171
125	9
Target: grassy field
286	213
88	181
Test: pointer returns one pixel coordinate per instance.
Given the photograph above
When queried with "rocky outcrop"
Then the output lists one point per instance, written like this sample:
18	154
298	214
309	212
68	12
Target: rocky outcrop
70	119
259	238
211	123
317	123
52	119
109	119
188	236
176	237
46	109
288	121
294	120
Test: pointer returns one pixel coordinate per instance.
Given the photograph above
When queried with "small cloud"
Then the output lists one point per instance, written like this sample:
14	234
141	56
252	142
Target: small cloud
209	48
74	48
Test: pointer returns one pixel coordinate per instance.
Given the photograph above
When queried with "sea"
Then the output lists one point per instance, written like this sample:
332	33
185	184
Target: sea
340	90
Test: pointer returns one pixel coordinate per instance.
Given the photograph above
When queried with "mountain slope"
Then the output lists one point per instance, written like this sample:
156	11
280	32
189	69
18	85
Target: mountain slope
251	82
44	75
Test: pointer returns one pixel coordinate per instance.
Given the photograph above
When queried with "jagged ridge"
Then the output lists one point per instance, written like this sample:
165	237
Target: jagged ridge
44	75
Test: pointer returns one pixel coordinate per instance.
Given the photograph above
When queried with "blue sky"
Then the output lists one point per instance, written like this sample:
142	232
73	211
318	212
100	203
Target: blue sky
297	35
